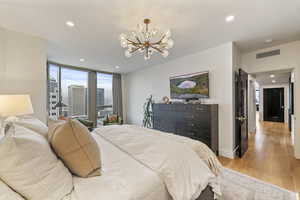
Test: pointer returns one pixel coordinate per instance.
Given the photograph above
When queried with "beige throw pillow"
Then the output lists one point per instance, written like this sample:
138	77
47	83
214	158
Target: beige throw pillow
74	144
28	165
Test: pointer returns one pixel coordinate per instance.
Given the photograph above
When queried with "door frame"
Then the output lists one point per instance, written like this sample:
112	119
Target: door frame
291	102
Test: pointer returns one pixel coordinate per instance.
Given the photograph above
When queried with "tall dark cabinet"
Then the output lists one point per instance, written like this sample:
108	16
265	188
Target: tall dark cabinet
196	121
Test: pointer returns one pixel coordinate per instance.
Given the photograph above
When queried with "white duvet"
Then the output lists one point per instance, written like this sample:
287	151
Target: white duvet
182	172
122	178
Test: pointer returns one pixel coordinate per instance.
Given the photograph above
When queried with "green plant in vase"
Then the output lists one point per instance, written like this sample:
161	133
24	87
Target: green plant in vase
148	114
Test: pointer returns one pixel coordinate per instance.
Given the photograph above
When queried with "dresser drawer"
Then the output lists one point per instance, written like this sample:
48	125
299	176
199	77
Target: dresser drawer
205	141
192	131
196	108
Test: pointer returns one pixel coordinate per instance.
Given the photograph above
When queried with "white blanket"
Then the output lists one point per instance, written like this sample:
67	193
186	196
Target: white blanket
123	178
202	150
179	167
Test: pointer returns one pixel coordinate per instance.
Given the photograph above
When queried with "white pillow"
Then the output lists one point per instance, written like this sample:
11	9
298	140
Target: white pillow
29	166
33	124
6	193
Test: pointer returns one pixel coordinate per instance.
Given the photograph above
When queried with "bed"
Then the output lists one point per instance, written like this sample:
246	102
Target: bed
128	171
139	164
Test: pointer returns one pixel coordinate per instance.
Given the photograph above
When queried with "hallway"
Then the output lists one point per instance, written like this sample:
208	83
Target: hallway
269	157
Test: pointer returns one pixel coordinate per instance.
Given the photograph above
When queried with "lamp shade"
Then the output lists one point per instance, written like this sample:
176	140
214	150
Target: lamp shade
14	105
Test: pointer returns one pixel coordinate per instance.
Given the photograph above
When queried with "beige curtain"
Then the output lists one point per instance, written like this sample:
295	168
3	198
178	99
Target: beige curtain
117	95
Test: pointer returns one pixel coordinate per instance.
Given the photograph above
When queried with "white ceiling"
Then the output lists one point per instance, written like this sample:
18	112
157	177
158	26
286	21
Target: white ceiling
281	77
195	24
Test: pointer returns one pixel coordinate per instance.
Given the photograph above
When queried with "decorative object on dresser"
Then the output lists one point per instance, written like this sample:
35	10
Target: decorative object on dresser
166	100
148	114
196	121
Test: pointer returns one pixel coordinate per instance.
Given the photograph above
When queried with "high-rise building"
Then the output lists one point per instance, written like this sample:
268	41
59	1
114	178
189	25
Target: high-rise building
100	96
53	98
53	85
77	100
100	102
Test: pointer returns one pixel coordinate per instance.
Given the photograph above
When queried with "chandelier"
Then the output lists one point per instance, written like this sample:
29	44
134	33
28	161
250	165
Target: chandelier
146	41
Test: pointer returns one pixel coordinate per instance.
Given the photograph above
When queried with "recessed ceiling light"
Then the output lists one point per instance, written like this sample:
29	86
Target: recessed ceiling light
81	59
117	67
269	40
70	24
272	76
230	18
273	81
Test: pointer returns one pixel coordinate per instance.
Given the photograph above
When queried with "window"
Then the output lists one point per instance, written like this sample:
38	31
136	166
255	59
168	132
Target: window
74	93
68	93
104	102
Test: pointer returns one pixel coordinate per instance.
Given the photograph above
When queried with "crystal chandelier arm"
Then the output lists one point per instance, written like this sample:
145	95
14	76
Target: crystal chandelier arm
160	41
139	41
132	42
157	49
134	50
147	51
136	45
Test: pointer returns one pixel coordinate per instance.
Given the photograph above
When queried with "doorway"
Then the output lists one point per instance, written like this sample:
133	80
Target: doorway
241	112
273	104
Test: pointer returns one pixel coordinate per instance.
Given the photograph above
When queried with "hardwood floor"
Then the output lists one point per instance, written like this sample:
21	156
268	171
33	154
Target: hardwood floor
269	157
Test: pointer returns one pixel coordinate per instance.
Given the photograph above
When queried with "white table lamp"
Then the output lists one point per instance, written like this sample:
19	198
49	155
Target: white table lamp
14	105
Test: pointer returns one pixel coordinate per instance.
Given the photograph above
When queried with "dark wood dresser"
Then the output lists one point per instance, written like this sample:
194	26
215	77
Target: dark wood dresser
196	121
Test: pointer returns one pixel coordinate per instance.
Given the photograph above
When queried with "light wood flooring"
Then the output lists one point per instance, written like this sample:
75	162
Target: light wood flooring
269	157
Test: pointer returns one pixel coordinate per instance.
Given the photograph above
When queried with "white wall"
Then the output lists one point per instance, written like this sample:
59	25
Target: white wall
251	105
286	100
154	80
288	59
23	68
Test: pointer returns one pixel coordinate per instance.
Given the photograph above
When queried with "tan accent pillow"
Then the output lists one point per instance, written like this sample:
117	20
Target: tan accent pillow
74	144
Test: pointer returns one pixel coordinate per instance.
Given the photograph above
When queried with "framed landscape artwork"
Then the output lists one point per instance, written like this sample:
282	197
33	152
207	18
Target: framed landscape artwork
190	86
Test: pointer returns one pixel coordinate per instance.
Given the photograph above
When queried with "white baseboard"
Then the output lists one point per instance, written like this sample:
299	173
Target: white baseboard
227	154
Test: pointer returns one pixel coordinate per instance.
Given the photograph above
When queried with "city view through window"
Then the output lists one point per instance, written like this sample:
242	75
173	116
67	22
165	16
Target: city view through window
68	93
104	96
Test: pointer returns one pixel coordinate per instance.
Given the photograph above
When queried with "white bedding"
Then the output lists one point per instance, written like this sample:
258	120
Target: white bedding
6	193
123	178
182	171
139	164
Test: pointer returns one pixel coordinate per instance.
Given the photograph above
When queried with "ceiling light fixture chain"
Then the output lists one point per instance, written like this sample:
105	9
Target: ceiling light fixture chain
147	41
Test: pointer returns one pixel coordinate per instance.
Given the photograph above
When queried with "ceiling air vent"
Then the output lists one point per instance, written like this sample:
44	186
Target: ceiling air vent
268	54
